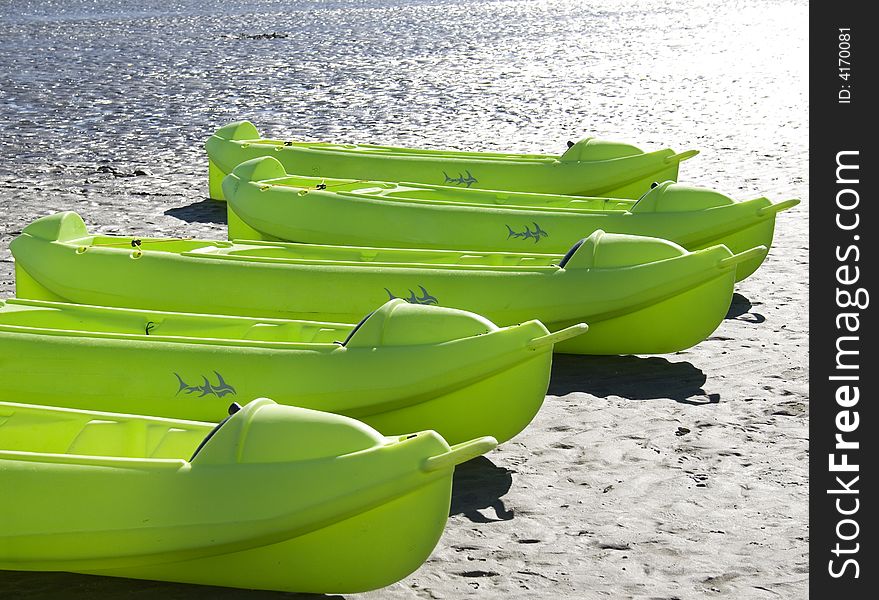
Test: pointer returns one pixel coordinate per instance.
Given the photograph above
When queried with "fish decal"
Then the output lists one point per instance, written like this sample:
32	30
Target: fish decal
536	235
460	179
206	388
425	297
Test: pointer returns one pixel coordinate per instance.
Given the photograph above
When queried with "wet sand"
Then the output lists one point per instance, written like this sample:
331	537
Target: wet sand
680	476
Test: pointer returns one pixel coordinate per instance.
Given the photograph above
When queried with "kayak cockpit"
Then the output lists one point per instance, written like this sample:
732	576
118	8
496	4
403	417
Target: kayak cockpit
391	257
68	229
57	431
446	195
134	244
393	151
58	318
509	200
394	323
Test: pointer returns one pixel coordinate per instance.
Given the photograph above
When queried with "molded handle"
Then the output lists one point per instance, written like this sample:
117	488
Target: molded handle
459	453
558	336
750	254
777	208
682	156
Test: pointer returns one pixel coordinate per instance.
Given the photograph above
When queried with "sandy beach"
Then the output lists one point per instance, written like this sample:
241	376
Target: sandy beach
676	476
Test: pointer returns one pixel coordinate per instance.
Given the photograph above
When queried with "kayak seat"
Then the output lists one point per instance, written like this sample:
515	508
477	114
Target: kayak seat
295	332
175	443
272	332
57	431
101	437
505	260
205	250
133	439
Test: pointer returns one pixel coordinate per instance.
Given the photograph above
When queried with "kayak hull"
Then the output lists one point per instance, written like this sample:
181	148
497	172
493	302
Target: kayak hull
365	552
663	319
462	386
759	233
275	498
607	282
500	405
265	203
589	167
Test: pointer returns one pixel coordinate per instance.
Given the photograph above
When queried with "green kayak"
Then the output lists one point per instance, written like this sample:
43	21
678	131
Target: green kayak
404	368
274	498
638	294
266	203
589	167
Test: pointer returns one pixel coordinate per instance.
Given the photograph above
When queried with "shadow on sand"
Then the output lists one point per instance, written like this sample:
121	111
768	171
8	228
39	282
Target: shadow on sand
44	586
479	484
203	211
631	377
740	309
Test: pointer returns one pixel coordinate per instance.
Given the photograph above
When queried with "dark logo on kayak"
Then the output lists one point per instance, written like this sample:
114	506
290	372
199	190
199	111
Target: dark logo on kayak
425	298
460	179
536	235
206	388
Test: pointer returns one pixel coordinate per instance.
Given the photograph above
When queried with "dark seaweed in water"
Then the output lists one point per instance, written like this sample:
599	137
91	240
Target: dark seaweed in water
262	36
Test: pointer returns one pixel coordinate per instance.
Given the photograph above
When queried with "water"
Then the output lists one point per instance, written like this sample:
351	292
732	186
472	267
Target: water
146	82
136	84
